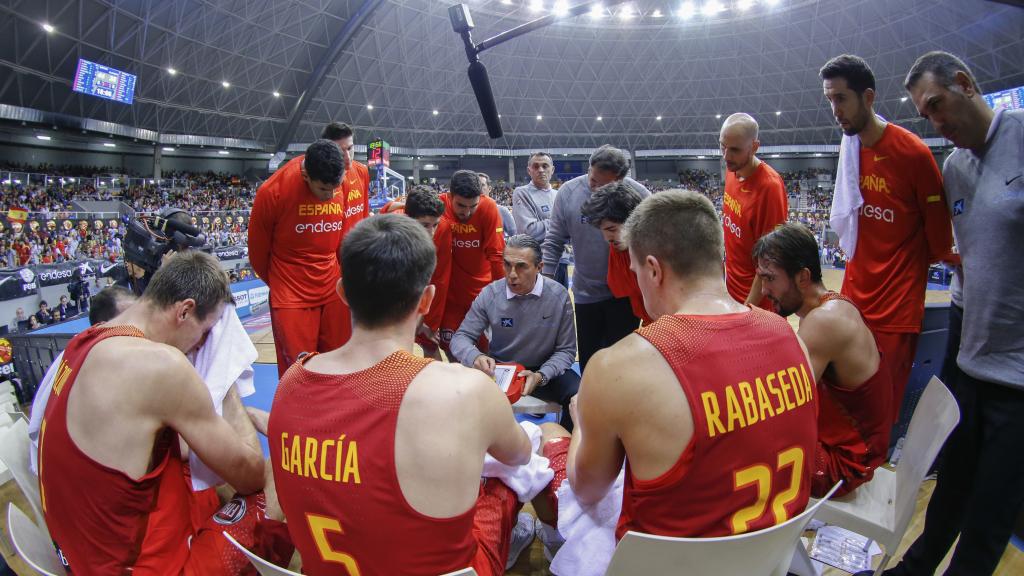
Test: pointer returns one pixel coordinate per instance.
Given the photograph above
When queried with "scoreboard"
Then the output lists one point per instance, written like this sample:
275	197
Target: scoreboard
378	153
103	81
1012	99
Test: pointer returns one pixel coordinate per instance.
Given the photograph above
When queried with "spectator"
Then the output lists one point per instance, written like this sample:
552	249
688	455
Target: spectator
43	316
19	317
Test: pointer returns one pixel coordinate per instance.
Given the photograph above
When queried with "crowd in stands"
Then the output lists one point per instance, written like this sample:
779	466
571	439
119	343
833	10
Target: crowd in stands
67	170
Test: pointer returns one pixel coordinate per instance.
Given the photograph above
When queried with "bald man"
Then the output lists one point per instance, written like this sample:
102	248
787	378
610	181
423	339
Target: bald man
754	204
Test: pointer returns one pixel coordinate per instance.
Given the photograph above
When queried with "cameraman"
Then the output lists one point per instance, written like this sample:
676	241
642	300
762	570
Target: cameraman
150	241
79	291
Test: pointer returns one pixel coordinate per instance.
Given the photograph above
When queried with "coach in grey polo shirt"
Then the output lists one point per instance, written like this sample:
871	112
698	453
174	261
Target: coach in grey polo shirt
532	206
530	320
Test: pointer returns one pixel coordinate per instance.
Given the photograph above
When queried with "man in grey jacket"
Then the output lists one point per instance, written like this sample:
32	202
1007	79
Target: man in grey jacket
979	492
530	321
531	206
601	319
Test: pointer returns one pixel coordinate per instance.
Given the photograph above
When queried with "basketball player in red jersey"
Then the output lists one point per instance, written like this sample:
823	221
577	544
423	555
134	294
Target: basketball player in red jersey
123	394
477	247
370	441
903	226
754	203
295	234
607	209
355	185
719	420
854	387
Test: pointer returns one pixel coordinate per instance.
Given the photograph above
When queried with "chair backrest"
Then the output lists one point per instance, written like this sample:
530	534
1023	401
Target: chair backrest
262	566
32	545
760	553
463	572
934	419
14	447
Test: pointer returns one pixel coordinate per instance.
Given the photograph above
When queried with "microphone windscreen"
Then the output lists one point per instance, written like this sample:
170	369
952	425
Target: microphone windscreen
485	98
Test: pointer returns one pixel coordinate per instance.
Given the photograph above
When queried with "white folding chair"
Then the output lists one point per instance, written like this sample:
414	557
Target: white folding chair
14	447
531	405
267	569
760	553
882	508
31	544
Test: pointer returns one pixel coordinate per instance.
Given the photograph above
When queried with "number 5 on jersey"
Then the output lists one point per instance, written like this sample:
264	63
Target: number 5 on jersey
760	476
319	526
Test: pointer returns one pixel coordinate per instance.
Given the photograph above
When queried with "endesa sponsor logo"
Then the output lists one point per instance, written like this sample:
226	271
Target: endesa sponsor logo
731	226
319	227
353	210
466	243
878	213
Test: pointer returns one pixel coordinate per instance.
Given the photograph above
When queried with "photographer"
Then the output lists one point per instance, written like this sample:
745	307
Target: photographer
79	291
150	240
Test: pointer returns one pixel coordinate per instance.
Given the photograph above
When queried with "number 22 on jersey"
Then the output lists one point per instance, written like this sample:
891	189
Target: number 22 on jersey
760	476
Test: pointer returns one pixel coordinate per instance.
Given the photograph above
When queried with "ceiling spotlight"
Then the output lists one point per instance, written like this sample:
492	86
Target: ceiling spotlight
712	8
506	2
43	137
817	153
110	145
687	10
223	152
369	106
658	118
597	12
49	29
226	84
744	5
536	5
561	8
718	116
772	2
277	94
778	112
168	149
434	112
499	115
776	155
600	118
539	117
626	12
172	71
701	157
904	99
656	14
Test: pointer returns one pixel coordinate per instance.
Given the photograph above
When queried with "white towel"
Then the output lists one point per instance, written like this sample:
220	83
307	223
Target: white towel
529	479
225	359
589	531
847	199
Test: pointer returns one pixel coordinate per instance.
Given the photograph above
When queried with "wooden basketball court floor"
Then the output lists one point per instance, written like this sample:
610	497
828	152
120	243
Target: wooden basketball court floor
532	561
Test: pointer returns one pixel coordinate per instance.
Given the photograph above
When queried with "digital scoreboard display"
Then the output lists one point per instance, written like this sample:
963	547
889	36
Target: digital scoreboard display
1012	99
378	153
103	81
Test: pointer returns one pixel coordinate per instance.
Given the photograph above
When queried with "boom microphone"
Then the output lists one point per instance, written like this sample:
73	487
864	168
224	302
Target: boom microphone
485	98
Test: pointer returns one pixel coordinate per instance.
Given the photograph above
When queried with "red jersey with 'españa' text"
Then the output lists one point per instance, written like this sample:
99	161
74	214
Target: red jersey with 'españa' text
356	185
903	226
751	208
751	394
622	282
337	482
477	247
294	239
98	516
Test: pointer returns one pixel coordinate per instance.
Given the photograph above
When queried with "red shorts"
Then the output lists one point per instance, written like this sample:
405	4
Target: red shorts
898	350
244	518
497	509
841	454
557	453
317	329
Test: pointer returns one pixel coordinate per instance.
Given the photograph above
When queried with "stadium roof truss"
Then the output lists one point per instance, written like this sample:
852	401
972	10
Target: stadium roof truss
551	86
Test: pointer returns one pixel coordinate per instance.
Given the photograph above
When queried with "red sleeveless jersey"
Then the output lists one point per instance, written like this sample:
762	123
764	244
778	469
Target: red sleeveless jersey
99	517
332	441
751	394
855	423
622	282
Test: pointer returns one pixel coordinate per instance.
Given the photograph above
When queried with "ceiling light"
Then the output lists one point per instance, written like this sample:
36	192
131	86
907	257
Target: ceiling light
223	152
561	8
656	14
536	5
277	94
776	155
506	2
718	116
225	84
744	5
778	112
369	106
539	117
49	29
626	13
772	2
435	112
817	153
168	149
658	118
597	12
499	115
172	71
687	10
110	145
600	118
701	157
712	8
904	99
43	137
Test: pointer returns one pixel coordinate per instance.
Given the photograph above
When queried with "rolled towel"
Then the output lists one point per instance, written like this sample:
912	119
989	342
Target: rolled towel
529	479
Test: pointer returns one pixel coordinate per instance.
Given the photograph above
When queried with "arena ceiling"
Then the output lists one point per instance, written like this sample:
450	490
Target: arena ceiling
657	79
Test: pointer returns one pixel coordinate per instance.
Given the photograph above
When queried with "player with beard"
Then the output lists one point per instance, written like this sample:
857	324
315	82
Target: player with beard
854	389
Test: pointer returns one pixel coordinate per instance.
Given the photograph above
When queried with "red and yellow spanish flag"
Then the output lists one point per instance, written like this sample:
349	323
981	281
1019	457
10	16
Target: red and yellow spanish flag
17	214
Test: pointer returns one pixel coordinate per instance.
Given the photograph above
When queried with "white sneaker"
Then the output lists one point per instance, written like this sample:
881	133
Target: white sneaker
522	537
550	538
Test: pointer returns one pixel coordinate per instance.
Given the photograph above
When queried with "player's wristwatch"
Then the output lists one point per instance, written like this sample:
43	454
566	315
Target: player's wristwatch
543	380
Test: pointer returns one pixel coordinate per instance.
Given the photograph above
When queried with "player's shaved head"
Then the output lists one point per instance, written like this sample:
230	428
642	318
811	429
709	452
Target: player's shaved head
741	124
